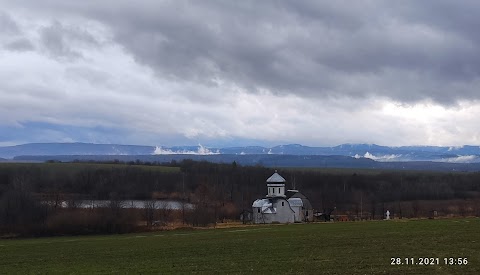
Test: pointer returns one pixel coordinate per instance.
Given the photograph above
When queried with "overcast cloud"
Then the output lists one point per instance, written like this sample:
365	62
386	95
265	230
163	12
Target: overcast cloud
226	73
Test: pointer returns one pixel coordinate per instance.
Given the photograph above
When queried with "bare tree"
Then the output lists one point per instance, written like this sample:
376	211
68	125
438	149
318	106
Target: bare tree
150	207
165	212
373	207
115	205
183	205
415	208
399	207
462	208
73	202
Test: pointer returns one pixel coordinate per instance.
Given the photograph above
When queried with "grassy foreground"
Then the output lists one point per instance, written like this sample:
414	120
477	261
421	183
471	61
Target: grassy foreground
323	248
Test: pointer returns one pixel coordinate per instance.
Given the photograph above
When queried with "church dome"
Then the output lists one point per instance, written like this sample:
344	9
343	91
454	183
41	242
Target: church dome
276	178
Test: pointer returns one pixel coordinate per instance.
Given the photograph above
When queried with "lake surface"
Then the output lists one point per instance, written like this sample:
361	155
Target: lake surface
139	204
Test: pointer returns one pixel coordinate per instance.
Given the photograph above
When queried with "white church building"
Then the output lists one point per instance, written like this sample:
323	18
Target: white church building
279	207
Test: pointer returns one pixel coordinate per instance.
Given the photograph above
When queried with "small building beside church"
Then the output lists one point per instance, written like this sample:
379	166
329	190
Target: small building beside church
280	205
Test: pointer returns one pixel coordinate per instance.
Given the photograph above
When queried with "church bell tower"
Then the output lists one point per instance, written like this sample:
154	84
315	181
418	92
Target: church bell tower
276	186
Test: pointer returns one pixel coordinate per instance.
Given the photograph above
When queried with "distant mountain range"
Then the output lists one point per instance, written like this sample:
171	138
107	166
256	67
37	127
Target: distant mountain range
463	154
464	158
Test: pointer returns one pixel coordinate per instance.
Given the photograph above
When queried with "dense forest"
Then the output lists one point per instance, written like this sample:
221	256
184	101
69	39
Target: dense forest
42	198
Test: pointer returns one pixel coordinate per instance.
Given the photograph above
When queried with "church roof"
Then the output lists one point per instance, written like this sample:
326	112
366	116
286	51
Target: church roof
295	194
266	205
276	178
295	202
298	195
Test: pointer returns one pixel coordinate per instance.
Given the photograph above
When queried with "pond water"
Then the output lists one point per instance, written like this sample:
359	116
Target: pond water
140	204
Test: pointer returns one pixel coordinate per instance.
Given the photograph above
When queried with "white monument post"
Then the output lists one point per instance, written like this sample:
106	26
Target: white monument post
387	215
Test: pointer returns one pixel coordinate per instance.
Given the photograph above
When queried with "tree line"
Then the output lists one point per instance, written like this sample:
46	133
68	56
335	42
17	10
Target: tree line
218	191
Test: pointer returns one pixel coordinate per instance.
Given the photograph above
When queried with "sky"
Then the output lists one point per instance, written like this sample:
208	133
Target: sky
235	73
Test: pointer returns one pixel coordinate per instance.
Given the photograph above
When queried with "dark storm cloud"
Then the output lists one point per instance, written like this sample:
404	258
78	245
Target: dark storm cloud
7	24
407	51
21	44
53	38
60	40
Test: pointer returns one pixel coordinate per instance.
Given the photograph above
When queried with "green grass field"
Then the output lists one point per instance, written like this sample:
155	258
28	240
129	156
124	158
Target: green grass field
322	248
